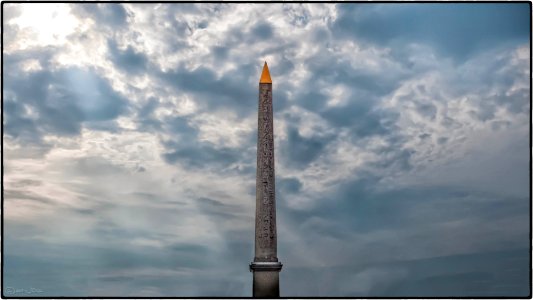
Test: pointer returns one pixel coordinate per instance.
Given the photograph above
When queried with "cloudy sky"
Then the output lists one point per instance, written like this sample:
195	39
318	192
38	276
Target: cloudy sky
401	135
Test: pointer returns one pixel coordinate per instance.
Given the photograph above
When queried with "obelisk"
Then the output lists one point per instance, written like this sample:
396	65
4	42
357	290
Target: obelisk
265	266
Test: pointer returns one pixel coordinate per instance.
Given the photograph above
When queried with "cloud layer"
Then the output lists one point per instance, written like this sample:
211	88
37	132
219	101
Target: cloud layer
401	135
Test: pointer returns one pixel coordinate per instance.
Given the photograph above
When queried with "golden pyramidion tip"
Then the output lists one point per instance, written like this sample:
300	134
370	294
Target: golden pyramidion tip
265	76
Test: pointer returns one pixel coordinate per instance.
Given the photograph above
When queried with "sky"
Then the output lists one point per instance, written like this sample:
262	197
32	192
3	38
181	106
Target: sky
401	148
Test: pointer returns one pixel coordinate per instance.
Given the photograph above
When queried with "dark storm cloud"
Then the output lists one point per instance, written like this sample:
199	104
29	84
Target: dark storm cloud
427	109
44	55
109	125
280	100
21	128
495	274
213	94
358	207
196	154
489	221
262	31
456	30
148	121
235	90
128	59
288	185
501	273
17	123
62	100
312	100
286	66
360	118
185	147
365	90
298	151
366	209
220	52
332	70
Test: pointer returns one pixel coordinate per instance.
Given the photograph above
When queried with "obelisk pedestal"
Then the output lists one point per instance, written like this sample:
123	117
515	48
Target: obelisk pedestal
265	266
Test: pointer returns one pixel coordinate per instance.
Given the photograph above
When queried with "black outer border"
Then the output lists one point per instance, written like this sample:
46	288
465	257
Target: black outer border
266	2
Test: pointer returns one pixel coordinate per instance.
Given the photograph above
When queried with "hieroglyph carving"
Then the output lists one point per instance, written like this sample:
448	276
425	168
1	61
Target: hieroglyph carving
266	218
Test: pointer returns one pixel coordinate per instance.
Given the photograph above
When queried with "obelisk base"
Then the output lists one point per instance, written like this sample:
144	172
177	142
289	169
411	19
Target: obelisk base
266	278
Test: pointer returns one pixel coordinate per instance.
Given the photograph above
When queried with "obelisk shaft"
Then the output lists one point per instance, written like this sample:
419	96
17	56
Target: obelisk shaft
265	215
265	266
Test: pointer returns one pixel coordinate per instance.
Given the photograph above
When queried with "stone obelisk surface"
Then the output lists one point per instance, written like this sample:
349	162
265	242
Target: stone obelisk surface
265	266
